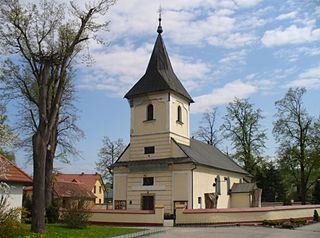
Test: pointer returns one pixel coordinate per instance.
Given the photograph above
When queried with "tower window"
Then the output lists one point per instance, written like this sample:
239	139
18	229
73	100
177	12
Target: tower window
148	181
150	112
179	119
149	150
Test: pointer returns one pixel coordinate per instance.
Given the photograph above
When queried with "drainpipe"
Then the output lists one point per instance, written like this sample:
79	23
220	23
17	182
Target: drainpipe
195	166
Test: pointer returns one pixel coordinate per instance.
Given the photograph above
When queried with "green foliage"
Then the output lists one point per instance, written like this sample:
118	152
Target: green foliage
272	223
52	214
297	133
316	216
27	210
9	219
316	192
76	215
25	215
270	180
7	136
299	221
62	231
242	126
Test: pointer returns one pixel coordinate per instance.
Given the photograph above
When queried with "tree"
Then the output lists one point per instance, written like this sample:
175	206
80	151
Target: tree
316	192
109	153
207	131
295	130
7	136
242	126
45	40
269	179
63	136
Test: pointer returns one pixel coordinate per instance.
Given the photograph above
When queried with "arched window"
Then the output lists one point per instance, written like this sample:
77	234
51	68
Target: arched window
150	112
179	119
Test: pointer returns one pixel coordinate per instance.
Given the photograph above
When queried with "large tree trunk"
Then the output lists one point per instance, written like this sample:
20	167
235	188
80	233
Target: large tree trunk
48	179
38	201
303	189
49	169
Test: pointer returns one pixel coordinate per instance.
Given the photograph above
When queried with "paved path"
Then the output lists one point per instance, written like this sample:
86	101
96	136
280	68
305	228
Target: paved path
310	231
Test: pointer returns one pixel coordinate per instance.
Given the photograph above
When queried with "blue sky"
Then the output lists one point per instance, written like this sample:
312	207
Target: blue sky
219	49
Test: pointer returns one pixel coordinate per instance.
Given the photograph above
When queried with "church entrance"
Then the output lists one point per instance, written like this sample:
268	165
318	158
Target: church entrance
147	202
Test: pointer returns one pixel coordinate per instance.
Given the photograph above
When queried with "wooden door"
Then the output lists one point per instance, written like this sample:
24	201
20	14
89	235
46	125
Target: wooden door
148	202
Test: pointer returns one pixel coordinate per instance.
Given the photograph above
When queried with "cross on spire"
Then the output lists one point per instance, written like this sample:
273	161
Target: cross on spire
159	30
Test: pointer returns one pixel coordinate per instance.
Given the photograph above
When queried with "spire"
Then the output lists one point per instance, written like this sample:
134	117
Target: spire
159	75
159	30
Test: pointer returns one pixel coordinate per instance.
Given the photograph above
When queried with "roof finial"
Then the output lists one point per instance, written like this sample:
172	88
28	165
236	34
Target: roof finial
160	27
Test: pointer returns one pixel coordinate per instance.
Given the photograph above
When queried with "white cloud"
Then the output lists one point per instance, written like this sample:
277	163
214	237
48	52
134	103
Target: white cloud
292	55
247	3
194	22
118	69
191	74
286	16
232	40
222	95
309	79
237	57
290	35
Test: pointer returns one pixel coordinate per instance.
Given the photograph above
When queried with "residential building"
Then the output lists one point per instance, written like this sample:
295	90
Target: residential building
92	182
16	178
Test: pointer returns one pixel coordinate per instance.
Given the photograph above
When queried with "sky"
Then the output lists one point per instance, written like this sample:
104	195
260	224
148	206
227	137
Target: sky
219	49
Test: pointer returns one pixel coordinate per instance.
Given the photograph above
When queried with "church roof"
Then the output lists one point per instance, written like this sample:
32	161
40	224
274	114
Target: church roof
159	75
205	154
198	153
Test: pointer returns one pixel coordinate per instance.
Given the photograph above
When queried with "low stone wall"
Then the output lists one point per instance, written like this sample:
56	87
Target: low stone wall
128	217
242	215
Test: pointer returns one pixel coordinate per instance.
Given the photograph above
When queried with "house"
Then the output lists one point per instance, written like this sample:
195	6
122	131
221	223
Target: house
92	182
67	193
16	179
162	164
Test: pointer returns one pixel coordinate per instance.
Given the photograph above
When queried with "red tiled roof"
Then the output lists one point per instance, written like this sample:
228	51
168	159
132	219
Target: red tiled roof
88	180
72	189
13	173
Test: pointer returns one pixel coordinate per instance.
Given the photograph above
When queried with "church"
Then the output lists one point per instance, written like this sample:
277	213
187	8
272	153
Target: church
162	164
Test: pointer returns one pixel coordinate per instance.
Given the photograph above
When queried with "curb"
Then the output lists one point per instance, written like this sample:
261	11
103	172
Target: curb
143	233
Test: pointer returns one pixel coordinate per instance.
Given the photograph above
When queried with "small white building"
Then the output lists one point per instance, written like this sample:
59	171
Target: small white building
16	179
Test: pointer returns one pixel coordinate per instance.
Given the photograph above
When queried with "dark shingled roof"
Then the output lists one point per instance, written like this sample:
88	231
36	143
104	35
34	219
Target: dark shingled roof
243	187
202	153
159	75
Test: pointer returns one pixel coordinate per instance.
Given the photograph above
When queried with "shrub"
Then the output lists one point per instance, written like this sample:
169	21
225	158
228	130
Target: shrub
9	220
52	214
316	217
77	214
298	221
25	215
272	223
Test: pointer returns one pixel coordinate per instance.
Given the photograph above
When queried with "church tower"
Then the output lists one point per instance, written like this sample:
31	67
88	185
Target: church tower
160	108
162	164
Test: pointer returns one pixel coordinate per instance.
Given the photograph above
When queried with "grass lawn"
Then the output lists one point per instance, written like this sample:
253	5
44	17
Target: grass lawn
61	231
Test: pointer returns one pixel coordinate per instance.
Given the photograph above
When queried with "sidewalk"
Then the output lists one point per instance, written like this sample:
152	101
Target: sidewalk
309	231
